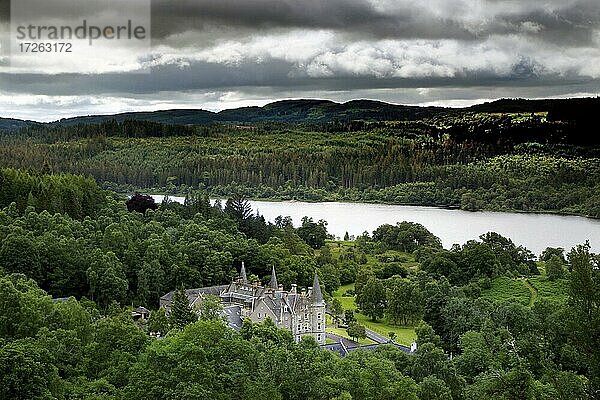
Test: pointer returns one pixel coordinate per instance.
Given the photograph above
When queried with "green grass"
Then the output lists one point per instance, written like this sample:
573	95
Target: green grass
527	291
507	289
372	262
532	290
343	289
555	290
404	335
347	301
342	332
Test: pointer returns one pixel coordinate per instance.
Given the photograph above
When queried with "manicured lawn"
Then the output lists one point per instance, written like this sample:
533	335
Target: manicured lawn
404	335
347	302
342	332
343	289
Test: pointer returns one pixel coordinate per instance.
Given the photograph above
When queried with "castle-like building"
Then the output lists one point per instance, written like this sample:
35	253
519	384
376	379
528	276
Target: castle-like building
301	312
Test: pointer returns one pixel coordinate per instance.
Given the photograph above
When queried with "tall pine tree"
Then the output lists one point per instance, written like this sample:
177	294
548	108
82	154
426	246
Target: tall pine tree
181	312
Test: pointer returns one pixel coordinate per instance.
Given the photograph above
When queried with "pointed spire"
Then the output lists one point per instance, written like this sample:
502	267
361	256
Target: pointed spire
243	274
274	279
317	296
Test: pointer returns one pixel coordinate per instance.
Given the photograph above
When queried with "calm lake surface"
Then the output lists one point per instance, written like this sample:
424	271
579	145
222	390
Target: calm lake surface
534	231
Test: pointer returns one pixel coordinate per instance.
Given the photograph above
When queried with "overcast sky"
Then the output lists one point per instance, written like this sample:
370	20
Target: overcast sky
229	53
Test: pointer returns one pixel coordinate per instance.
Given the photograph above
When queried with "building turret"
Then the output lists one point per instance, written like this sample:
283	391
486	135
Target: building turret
243	274
317	295
274	284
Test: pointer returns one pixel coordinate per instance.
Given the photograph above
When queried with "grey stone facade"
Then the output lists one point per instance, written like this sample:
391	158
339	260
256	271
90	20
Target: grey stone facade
300	312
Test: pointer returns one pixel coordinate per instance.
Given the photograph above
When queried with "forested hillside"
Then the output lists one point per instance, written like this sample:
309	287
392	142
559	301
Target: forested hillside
544	161
474	341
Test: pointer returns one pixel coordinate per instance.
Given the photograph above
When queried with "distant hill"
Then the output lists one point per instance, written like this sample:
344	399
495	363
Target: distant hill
173	117
559	109
12	124
318	111
323	111
289	111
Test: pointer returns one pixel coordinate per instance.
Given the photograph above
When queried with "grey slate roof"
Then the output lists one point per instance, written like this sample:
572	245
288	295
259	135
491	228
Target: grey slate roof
274	279
316	292
243	274
193	293
234	317
61	299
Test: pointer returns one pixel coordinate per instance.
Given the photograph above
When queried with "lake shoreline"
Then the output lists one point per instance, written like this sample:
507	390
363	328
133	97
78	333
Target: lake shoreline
535	231
433	206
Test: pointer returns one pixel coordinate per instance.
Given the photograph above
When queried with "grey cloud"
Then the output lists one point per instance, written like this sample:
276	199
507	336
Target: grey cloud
201	76
506	47
401	19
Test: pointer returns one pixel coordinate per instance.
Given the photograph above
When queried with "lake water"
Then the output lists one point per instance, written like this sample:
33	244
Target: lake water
534	231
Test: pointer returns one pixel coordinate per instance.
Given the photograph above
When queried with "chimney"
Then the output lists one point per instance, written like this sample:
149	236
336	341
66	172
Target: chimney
280	288
294	288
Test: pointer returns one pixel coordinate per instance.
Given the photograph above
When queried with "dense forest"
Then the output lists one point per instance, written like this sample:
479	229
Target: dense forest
117	252
472	159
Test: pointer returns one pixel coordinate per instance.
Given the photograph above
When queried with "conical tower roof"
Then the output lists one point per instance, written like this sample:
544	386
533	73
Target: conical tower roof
274	279
317	295
243	274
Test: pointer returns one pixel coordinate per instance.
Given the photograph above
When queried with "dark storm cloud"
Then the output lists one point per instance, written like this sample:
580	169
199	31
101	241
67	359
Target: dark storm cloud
202	76
393	49
400	19
356	16
573	26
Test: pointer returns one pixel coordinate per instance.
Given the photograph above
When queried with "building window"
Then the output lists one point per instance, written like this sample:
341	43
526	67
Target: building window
319	326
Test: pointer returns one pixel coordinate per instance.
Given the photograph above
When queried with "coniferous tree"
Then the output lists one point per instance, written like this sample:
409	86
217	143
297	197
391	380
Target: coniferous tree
210	309
158	321
181	312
